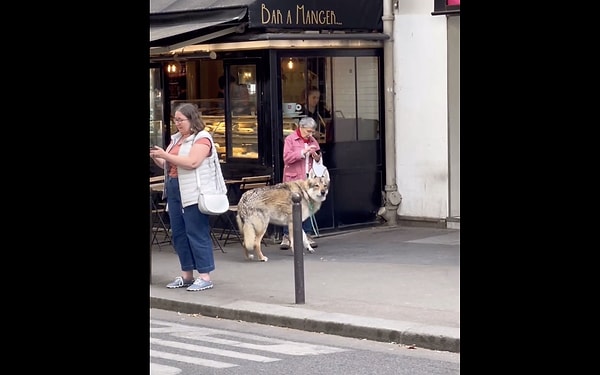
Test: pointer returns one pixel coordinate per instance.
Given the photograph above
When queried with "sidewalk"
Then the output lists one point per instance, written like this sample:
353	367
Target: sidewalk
399	284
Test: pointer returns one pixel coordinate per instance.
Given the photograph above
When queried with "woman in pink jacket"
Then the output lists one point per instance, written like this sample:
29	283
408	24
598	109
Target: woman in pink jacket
299	150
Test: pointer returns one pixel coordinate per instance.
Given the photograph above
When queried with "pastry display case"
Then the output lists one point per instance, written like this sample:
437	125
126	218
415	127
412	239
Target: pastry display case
290	123
243	130
244	136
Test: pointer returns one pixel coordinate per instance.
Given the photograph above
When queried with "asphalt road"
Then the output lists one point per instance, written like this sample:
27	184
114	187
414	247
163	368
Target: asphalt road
194	344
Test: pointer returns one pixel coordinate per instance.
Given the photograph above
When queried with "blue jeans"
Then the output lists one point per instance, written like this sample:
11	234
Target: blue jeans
306	226
191	232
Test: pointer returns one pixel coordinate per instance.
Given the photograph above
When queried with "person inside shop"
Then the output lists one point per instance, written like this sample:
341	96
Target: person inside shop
240	98
300	148
221	93
317	112
181	160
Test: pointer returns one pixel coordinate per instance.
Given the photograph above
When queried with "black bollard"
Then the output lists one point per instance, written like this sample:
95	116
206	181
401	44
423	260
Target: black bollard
298	247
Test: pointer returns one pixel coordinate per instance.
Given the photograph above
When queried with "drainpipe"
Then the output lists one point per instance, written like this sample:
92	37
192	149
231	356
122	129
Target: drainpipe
391	196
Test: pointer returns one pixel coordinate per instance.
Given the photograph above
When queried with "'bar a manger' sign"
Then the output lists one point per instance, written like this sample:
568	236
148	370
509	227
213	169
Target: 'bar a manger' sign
319	15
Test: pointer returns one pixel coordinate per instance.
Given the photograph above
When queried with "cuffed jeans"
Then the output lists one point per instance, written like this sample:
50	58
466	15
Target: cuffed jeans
191	232
306	226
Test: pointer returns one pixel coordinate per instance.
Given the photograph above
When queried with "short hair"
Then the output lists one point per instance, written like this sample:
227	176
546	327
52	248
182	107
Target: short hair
191	112
307	122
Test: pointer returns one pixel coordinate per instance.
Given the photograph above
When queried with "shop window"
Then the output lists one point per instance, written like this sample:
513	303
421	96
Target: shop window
306	84
240	139
356	98
157	130
340	93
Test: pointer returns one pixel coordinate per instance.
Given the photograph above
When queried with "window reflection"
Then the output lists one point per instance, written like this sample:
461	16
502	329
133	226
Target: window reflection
306	82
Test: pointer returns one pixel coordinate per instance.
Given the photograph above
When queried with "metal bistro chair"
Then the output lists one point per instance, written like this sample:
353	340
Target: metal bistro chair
247	183
158	211
159	214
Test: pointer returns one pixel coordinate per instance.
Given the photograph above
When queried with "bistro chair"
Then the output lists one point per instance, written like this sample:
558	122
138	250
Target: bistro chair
229	217
160	223
216	243
158	212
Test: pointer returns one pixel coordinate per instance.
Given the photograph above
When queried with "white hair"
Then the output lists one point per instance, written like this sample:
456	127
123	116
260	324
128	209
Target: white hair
307	122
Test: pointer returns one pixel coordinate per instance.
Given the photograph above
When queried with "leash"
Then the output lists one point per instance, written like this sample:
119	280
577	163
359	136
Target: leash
313	221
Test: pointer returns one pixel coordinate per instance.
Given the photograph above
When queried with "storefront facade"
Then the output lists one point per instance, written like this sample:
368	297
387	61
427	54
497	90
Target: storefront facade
264	55
388	80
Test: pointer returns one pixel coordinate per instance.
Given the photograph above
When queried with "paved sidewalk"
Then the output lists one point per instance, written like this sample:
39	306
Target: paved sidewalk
391	284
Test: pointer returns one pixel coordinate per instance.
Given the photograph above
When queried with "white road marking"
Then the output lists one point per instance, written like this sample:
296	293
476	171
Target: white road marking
157	369
204	349
277	346
221	337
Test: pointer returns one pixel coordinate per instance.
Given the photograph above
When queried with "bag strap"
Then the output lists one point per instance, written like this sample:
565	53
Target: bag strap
215	166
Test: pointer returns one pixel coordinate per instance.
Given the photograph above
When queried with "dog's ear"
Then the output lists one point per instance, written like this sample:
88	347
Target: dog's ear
311	174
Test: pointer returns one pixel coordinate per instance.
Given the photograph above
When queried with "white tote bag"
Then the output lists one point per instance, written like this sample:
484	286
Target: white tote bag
213	199
319	168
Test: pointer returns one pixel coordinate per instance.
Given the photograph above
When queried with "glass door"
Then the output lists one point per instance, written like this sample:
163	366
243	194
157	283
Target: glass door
243	138
157	128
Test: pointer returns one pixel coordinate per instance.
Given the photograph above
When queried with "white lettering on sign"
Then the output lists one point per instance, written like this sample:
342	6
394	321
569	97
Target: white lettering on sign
302	17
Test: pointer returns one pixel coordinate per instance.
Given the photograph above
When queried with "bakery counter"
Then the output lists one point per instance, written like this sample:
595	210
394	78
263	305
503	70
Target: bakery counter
244	136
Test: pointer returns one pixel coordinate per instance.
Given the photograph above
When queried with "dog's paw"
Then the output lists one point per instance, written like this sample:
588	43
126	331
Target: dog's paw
264	259
310	249
250	256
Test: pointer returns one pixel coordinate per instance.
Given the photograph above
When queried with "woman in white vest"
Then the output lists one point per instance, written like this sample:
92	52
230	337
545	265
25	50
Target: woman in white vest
189	147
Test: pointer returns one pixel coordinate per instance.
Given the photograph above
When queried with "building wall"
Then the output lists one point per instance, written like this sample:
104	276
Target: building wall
454	112
421	110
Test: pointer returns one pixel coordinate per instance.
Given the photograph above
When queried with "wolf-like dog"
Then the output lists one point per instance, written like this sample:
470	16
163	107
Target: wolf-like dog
273	204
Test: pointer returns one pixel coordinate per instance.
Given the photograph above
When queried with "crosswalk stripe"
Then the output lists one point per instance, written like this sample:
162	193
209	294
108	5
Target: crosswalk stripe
216	336
204	349
192	360
158	369
281	347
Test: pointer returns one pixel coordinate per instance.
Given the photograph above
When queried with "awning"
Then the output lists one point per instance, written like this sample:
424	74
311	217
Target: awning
171	31
173	6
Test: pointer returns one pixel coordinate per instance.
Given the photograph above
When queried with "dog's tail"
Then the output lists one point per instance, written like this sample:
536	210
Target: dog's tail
247	232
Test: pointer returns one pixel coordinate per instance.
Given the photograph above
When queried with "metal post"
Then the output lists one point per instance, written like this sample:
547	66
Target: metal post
392	196
298	247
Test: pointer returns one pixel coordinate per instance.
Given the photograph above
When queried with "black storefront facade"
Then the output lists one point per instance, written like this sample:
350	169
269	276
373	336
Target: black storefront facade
270	55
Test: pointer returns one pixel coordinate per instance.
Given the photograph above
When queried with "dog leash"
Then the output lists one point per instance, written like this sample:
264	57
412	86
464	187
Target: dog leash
313	221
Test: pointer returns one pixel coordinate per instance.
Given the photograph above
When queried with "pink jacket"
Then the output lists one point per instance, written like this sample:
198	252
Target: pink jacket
293	161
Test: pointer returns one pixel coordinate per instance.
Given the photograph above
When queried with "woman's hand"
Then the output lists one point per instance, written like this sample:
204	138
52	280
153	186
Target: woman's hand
309	150
156	152
314	153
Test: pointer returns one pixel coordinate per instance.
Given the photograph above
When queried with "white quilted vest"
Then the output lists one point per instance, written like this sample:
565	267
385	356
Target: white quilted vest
188	186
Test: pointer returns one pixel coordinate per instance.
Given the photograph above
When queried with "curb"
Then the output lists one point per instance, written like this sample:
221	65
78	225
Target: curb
375	329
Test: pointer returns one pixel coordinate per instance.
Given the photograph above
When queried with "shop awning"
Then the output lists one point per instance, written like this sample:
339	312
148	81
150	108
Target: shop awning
175	30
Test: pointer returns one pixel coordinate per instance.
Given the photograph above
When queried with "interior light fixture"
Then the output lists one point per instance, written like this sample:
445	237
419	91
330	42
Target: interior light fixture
172	68
290	64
